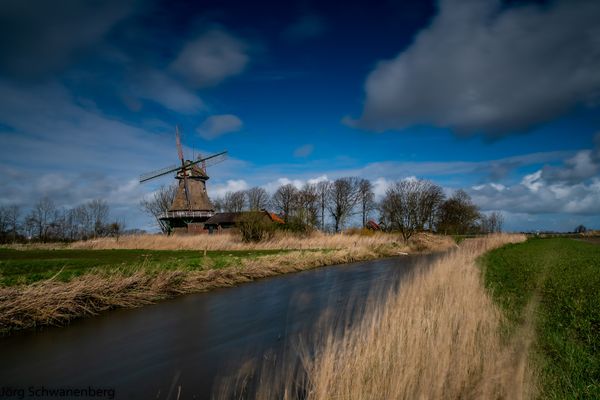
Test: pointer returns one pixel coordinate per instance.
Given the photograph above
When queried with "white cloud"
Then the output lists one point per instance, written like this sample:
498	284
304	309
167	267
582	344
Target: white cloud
380	186
318	179
272	186
304	151
532	181
536	196
497	186
218	125
484	67
210	58
232	185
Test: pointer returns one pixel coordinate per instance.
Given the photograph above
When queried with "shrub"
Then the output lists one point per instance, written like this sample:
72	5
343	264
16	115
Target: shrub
359	231
255	227
297	225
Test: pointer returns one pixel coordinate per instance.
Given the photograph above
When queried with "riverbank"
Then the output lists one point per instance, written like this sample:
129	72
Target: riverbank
62	298
438	335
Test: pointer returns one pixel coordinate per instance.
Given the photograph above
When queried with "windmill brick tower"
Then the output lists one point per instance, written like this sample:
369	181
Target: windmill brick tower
191	206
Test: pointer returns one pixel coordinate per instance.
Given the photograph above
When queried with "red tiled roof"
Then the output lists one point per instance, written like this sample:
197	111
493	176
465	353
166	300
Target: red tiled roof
275	218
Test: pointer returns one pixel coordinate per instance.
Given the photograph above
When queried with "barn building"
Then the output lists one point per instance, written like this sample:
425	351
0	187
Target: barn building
229	220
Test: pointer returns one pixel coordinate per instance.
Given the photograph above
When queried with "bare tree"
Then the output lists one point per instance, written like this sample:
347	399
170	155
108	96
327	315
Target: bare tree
234	201
366	199
257	198
29	226
431	198
308	205
98	213
158	203
323	189
580	229
73	227
60	226
13	212
284	200
400	208
9	222
80	222
217	203
342	198
497	221
458	214
41	217
4	224
491	223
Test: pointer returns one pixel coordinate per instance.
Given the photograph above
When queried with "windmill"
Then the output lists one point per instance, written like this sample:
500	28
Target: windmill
191	205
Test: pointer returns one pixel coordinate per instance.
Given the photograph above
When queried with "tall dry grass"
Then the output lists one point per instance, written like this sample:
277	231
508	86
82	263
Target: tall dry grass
232	241
437	336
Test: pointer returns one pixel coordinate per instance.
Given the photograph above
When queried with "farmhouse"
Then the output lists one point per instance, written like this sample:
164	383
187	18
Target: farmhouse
228	220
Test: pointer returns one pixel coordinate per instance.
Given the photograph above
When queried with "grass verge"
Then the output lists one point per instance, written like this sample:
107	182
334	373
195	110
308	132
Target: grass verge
563	277
52	287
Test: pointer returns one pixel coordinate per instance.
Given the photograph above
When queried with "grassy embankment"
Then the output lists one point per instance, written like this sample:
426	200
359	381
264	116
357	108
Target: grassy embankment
561	278
18	267
437	336
51	287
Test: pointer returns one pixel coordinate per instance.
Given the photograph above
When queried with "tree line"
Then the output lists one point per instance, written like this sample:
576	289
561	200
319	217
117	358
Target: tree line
47	222
408	206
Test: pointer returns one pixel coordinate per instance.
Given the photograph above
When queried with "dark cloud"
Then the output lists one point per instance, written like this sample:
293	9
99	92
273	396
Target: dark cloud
159	87
211	57
481	68
219	125
43	37
583	165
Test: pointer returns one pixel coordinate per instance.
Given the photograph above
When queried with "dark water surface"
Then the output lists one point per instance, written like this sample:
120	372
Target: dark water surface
147	353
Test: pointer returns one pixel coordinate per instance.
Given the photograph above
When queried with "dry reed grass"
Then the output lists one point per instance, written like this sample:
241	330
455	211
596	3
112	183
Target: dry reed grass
232	241
436	336
56	303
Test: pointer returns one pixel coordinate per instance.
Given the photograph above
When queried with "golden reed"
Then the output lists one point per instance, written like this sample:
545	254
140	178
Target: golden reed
436	336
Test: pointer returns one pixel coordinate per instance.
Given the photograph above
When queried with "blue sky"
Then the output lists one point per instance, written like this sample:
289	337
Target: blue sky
498	98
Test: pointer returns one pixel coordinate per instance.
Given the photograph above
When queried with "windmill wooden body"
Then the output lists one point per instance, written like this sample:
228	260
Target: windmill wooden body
191	205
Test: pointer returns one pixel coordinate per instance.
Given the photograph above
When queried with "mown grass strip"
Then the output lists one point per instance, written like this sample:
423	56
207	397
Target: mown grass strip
565	274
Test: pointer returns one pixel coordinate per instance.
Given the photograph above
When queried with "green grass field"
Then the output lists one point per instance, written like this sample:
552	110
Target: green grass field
564	274
28	266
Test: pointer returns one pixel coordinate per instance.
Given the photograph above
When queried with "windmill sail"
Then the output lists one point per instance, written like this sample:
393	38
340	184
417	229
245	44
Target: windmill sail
210	161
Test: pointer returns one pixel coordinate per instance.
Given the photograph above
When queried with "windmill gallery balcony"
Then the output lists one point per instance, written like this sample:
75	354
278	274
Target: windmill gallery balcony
185	214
